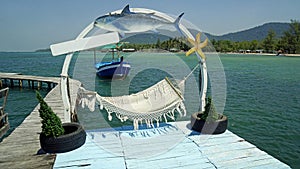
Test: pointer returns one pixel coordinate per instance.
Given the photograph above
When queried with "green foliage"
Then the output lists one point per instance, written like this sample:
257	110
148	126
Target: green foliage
269	42
51	123
290	42
268	37
210	113
165	45
254	45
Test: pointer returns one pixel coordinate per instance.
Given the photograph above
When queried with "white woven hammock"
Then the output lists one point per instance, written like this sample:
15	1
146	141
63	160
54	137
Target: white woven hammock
154	104
151	105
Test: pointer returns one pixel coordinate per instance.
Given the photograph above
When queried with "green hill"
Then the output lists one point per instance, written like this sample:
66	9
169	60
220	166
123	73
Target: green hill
256	33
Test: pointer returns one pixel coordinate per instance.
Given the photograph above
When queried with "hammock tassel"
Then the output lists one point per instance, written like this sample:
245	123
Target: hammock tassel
101	106
109	115
147	122
178	110
135	124
183	108
151	123
171	115
165	118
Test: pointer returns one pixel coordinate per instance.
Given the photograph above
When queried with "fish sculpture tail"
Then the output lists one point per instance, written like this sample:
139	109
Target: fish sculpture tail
176	23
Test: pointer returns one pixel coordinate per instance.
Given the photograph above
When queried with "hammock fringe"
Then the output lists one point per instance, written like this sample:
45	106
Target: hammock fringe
156	103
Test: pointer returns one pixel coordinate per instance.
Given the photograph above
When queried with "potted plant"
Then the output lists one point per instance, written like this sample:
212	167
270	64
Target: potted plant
58	137
209	121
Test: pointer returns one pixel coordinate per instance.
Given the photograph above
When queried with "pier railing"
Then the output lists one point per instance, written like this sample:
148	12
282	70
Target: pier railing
4	124
22	81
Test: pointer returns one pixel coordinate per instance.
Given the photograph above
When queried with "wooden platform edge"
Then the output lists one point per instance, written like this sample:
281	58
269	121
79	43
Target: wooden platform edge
22	147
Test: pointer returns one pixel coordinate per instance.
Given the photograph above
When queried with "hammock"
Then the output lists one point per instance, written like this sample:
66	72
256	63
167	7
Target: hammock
154	104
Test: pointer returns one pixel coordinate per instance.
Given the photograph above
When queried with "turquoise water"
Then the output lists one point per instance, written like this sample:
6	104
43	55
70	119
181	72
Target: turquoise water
263	93
263	103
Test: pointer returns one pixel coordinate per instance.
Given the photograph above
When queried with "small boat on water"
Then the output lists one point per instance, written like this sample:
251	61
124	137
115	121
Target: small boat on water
116	68
113	69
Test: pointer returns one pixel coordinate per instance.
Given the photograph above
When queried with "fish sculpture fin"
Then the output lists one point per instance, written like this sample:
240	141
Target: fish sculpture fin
126	10
176	23
178	18
121	34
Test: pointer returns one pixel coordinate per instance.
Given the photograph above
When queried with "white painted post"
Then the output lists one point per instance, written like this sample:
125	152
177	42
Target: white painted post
203	83
80	43
64	77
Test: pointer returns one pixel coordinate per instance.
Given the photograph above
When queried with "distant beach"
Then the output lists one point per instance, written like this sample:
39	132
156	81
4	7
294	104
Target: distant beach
262	54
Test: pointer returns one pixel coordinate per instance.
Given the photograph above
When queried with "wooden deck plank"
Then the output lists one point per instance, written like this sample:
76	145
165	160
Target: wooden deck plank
261	161
22	145
184	155
133	145
147	149
90	155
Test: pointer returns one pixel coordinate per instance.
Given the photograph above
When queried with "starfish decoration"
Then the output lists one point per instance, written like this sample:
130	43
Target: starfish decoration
197	46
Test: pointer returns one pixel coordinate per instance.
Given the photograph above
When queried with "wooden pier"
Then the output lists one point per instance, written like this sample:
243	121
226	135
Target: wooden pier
4	123
33	82
21	148
173	145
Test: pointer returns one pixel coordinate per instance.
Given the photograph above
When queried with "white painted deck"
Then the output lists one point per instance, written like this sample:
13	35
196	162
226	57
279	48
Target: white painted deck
173	145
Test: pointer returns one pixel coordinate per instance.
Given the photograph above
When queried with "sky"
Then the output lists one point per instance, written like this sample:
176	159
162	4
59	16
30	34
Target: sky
27	25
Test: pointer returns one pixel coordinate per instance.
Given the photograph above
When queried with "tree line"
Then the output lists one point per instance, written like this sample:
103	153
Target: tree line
288	43
172	43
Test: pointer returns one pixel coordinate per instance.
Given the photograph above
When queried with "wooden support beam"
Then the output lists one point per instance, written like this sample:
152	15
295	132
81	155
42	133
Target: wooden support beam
49	85
11	82
17	80
39	85
20	83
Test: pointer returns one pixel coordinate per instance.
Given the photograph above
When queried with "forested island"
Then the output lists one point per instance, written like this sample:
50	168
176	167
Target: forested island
287	42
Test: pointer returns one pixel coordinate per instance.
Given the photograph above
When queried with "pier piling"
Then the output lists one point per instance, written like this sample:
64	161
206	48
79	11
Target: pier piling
18	80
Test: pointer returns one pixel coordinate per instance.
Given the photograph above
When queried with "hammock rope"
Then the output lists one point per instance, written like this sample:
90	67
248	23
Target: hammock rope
152	105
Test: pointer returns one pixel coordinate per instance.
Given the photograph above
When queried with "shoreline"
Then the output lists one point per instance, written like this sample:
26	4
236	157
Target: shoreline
262	54
179	52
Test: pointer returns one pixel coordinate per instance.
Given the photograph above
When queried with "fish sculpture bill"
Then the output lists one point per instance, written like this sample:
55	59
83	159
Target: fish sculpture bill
131	22
197	46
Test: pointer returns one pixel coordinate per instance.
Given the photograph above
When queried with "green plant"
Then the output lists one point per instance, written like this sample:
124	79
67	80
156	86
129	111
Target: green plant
210	113
51	123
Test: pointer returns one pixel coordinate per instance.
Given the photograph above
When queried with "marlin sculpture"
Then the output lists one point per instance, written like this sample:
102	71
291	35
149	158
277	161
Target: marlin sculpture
131	22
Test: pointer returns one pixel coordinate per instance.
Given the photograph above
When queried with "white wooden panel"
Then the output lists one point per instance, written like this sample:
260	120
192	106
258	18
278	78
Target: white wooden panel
84	43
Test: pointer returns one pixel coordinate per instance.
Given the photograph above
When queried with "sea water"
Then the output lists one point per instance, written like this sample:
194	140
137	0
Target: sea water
262	103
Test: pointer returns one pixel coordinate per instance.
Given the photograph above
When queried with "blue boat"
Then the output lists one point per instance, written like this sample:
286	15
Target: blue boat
116	68
113	69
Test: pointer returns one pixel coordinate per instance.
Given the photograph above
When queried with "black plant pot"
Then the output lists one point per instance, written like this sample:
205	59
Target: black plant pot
209	127
73	138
